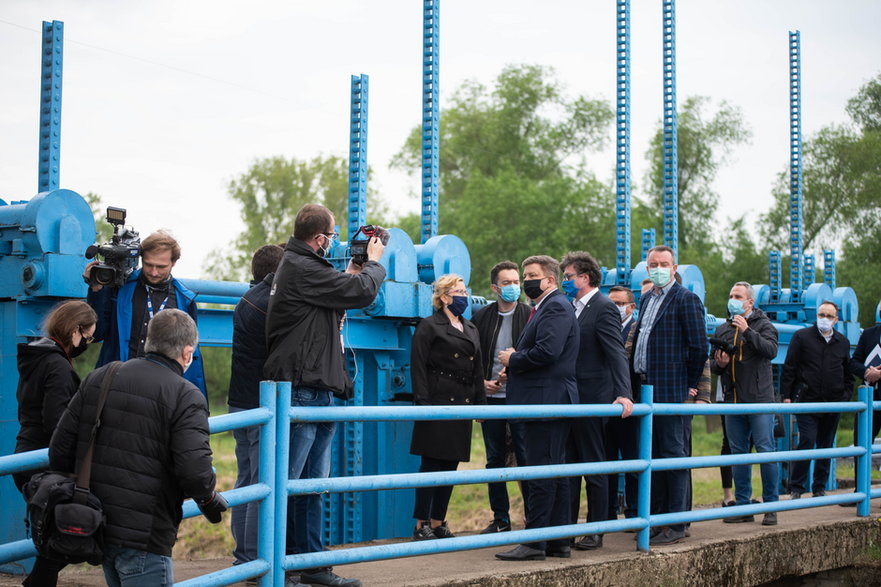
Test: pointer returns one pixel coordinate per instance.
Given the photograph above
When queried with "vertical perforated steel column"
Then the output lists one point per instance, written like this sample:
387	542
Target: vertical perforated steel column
622	144
430	117
796	260
51	61
671	130
358	154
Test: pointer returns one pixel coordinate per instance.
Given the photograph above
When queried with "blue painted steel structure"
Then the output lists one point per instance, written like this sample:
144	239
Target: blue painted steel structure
50	105
795	200
358	153
622	145
671	130
430	116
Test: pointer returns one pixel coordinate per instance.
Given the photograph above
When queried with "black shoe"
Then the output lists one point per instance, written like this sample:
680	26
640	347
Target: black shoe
522	553
561	552
590	542
770	519
668	536
326	577
497	525
820	493
442	531
739	519
728	504
423	532
795	495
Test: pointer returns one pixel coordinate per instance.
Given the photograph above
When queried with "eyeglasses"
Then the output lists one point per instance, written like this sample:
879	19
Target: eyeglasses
568	276
86	337
458	292
623	304
823	315
331	235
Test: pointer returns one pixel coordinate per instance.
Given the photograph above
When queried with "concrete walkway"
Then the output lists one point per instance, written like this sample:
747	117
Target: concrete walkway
805	541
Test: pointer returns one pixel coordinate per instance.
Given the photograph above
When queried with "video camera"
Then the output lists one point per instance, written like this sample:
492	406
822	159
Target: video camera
120	254
358	247
720	344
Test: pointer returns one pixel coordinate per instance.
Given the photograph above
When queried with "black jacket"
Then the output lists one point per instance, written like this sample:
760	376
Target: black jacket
869	339
151	450
249	346
445	369
488	322
821	367
601	367
306	305
748	377
46	382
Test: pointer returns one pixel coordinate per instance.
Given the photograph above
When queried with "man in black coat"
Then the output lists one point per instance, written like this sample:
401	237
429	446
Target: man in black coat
541	370
603	377
307	304
499	325
150	453
816	369
865	365
248	356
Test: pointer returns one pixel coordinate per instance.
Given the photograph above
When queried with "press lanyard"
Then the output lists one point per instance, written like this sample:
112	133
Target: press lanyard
150	303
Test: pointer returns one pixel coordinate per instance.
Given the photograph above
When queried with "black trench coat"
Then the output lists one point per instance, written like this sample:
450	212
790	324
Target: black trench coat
445	369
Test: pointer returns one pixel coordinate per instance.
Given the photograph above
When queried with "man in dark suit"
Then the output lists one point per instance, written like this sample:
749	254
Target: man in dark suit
541	370
603	377
669	353
626	303
865	366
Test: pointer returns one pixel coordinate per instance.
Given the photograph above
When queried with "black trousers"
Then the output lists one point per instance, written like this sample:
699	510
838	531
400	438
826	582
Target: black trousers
548	503
622	436
431	502
725	472
587	441
819	430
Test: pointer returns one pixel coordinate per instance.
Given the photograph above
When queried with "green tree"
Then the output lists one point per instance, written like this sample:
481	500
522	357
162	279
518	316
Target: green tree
270	193
513	178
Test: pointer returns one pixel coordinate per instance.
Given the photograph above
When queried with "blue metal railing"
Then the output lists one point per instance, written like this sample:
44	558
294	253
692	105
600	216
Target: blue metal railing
274	443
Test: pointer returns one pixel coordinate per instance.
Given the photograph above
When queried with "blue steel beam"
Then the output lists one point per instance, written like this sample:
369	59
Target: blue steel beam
622	138
358	154
796	260
808	276
671	131
829	268
49	158
774	271
648	241
430	117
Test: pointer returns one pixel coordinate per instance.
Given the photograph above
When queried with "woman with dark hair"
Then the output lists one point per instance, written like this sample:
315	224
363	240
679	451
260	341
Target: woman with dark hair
46	382
445	367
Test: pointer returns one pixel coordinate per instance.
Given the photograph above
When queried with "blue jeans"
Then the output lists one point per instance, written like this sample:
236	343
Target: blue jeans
309	459
759	427
495	439
243	521
128	567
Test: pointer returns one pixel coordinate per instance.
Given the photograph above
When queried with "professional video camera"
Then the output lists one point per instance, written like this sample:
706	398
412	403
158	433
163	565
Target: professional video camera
120	254
723	345
358	247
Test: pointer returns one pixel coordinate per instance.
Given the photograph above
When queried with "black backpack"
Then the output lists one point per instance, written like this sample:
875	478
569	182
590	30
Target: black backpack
64	519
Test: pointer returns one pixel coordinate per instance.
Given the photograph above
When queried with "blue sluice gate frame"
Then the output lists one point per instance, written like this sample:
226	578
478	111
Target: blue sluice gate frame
274	448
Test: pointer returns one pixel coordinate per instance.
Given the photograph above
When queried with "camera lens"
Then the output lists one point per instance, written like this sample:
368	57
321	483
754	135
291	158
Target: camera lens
103	275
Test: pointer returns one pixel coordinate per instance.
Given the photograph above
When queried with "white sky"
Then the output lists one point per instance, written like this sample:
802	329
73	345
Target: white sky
165	101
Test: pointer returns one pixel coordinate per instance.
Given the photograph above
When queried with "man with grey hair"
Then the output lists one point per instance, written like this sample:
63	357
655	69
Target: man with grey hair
744	366
151	451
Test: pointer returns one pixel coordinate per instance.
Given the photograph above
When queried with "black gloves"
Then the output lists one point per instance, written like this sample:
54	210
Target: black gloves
212	507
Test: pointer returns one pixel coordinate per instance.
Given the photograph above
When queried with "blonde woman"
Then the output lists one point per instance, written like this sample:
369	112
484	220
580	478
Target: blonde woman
446	370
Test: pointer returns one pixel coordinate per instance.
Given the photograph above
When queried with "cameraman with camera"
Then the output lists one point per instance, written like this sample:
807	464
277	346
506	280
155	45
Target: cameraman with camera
743	348
125	300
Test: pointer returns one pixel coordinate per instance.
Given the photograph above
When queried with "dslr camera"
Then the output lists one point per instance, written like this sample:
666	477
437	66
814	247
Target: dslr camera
120	255
720	344
358	247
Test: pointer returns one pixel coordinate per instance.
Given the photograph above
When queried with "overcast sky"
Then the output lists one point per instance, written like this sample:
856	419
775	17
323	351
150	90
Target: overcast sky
165	101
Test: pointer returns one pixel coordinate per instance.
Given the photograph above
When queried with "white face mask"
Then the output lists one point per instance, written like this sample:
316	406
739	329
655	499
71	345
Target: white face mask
824	324
190	362
623	311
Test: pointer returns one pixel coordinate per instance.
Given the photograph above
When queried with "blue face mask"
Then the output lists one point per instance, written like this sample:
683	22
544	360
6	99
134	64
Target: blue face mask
569	289
459	305
735	307
510	293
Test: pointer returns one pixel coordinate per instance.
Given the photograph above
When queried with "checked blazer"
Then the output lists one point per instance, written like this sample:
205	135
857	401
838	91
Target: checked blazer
677	346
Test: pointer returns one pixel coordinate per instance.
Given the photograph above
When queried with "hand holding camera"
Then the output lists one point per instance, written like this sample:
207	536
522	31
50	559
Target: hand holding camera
213	507
370	246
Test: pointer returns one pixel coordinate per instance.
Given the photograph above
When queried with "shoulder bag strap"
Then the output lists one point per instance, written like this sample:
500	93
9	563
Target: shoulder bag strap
82	478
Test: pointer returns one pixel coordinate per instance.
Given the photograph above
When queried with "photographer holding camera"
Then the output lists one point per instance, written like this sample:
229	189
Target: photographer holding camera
742	355
126	305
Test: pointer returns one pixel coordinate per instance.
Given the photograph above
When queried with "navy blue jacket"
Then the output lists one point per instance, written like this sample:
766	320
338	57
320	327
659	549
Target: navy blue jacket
249	350
601	368
542	370
869	339
114	327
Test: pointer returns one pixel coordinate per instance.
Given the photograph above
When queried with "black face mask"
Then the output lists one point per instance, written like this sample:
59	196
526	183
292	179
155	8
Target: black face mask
532	288
80	348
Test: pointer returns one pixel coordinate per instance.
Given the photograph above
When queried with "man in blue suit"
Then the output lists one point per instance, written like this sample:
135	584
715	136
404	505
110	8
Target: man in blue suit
541	370
603	377
669	352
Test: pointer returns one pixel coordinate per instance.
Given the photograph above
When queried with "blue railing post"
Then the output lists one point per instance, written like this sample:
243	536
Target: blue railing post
282	448
266	532
863	463
643	501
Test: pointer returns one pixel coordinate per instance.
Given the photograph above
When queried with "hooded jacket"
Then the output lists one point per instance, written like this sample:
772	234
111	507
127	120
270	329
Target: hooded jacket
307	302
151	450
748	377
46	382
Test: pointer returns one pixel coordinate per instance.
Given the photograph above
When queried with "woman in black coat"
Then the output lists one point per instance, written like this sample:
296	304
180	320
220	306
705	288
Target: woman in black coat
46	383
446	370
